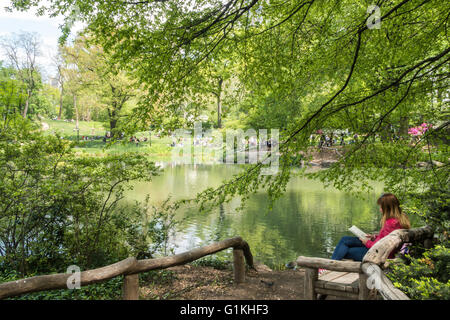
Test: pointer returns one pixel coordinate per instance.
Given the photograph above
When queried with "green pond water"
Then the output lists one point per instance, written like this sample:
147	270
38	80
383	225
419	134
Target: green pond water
308	220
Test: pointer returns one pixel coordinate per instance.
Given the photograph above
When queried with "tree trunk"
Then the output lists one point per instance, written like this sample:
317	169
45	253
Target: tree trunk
219	104
385	134
76	115
60	103
403	126
112	121
112	126
25	111
76	109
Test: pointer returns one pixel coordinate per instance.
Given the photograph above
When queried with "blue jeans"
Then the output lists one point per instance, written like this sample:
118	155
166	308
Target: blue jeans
349	248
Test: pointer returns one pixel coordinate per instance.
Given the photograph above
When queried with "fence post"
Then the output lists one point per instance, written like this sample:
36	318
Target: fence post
238	265
131	287
311	275
363	290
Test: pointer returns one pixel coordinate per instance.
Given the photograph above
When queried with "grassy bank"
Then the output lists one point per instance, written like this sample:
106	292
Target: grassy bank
157	148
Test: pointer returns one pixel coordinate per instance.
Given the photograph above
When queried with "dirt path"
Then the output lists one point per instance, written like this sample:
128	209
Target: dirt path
206	283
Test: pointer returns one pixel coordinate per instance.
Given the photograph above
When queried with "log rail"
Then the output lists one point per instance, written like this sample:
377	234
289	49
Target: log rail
130	268
376	258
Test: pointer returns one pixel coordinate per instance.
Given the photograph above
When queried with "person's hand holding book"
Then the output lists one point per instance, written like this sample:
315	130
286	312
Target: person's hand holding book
368	237
371	236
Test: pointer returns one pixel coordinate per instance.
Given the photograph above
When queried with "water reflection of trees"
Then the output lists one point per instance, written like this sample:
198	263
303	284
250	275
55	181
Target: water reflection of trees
307	220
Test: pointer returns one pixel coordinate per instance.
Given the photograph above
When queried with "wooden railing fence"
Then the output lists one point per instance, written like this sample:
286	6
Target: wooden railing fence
373	262
130	268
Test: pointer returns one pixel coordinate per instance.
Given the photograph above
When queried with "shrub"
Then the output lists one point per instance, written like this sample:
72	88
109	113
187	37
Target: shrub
58	209
425	277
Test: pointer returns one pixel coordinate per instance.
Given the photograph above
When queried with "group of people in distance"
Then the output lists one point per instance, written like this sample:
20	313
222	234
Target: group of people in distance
329	140
205	141
136	140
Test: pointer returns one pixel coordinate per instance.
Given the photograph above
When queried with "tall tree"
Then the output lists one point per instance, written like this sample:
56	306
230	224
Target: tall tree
22	51
60	64
96	73
11	94
329	58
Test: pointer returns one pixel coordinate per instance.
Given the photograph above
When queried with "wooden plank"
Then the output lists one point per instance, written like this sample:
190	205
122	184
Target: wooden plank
341	286
332	275
342	277
348	278
355	283
344	287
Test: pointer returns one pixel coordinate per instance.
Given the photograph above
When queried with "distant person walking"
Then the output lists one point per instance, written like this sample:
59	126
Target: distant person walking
327	141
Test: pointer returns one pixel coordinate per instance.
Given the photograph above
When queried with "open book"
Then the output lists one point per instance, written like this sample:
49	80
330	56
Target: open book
357	232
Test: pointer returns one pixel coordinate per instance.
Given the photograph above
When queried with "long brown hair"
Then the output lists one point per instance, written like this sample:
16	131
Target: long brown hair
391	209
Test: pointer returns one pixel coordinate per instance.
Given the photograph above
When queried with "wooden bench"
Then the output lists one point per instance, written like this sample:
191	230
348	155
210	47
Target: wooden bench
350	279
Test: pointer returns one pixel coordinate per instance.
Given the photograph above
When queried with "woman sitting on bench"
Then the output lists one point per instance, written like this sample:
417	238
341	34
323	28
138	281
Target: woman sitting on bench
392	218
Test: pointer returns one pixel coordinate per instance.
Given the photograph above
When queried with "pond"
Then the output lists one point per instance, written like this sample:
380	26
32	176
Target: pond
308	220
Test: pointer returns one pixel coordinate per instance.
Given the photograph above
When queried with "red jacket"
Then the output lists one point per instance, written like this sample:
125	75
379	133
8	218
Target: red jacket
389	226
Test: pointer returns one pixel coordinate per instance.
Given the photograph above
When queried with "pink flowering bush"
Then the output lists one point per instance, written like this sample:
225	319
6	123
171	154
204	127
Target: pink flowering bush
419	130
